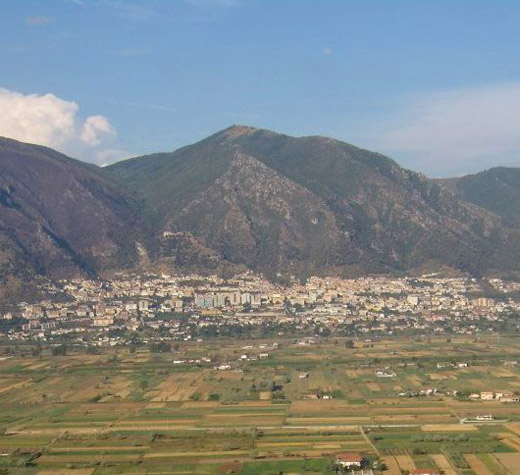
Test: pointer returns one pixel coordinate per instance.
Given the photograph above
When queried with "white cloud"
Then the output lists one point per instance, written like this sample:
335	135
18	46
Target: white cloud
95	129
46	119
458	131
326	51
54	122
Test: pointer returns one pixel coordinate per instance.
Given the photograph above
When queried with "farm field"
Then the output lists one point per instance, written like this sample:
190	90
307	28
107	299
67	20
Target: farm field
291	411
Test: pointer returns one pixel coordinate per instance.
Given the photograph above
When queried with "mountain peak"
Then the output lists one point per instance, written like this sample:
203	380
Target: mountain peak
238	130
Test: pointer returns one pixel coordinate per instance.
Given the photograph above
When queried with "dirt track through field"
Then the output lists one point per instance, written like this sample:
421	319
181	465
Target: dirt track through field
15	385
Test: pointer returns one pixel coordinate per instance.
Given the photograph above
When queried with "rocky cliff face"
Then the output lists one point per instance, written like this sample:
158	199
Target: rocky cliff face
251	215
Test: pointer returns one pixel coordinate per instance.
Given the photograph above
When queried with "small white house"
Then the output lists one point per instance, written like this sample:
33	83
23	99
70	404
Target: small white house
350	460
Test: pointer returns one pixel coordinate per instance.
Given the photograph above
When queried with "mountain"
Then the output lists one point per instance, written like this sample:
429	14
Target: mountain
60	217
248	198
303	205
496	189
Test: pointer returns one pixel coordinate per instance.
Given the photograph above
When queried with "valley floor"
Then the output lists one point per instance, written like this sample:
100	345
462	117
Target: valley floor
450	406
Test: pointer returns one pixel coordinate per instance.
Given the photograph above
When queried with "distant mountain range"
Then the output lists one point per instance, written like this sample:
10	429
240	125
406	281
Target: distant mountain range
250	198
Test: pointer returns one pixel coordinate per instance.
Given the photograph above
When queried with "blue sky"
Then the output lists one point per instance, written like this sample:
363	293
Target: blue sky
433	84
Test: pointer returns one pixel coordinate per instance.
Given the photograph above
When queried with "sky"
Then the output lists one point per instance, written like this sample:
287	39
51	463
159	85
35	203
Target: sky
433	84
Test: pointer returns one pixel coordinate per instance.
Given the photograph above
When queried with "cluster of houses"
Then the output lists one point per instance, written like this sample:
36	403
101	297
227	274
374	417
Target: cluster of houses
501	396
357	307
354	463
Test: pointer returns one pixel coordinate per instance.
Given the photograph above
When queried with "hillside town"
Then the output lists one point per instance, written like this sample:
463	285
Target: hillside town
140	309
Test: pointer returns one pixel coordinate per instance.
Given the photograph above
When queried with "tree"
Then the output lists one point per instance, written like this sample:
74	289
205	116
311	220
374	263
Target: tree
60	350
161	347
37	351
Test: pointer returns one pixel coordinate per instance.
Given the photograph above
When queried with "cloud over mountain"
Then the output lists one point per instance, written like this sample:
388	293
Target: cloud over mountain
95	129
49	120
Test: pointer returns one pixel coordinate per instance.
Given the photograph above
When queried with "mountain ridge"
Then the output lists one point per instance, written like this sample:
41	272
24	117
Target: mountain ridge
496	189
371	196
250	198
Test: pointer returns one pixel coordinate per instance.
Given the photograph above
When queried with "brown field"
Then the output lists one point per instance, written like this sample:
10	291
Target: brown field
193	454
77	471
251	421
392	465
514	428
477	465
414	380
443	464
194	404
405	462
155	421
449	428
438	376
510	461
91	448
155	405
407	410
511	440
321	406
502	373
121	387
122	458
178	387
353	421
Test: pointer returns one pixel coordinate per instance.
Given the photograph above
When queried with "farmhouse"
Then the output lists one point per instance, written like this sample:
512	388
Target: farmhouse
350	460
385	374
485	417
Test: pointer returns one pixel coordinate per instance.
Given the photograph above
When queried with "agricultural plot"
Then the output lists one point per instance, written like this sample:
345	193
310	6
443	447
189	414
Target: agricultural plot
293	412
